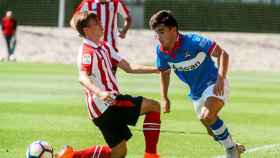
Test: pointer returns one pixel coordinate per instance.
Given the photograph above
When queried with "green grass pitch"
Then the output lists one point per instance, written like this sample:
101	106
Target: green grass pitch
45	101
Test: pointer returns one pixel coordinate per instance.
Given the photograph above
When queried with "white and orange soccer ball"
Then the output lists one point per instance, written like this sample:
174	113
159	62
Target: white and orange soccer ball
39	149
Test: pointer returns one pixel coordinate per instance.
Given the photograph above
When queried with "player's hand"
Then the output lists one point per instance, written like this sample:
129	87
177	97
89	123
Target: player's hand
108	98
122	34
219	87
166	105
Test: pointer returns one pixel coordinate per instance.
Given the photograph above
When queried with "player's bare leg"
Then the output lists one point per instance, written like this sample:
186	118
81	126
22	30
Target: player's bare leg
149	105
240	147
151	126
120	150
209	131
210	118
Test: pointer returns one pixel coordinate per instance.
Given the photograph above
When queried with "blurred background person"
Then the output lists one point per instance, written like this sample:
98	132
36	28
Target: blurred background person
9	26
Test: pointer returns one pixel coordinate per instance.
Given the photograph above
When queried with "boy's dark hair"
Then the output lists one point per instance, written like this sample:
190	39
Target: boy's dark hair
81	20
163	17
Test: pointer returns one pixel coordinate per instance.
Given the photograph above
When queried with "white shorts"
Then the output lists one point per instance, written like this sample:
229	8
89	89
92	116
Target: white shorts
209	92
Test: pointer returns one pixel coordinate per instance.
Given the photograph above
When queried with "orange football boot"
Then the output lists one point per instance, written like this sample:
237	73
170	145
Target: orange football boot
66	152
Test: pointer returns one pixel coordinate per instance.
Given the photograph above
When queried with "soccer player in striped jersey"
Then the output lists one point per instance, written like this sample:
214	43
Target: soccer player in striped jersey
107	11
190	57
110	110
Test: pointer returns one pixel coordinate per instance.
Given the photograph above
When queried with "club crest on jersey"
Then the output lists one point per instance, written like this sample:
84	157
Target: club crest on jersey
86	59
200	40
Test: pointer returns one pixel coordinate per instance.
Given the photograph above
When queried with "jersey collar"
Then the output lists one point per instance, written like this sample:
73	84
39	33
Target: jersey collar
91	43
177	44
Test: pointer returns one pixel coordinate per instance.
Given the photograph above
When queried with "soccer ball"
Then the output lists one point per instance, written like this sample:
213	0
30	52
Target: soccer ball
39	149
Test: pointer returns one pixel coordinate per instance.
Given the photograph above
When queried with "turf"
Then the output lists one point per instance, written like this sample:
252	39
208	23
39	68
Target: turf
45	101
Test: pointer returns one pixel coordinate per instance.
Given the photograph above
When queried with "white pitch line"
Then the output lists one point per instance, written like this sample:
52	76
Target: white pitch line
260	148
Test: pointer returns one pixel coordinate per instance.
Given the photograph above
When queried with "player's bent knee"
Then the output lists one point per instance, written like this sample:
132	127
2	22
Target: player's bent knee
156	104
149	105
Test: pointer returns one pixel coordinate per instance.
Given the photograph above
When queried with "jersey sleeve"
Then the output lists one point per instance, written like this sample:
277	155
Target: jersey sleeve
114	55
202	44
161	62
122	9
85	61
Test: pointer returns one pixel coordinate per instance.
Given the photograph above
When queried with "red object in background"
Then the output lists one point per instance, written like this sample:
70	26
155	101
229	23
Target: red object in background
9	26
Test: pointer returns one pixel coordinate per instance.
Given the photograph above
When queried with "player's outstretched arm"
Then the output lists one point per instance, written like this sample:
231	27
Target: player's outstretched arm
107	97
139	69
85	81
223	64
164	84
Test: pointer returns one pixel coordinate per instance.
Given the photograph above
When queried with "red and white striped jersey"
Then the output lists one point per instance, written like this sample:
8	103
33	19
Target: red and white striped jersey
108	13
97	61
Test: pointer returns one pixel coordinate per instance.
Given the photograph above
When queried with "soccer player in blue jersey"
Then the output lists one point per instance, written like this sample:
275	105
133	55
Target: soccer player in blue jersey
190	57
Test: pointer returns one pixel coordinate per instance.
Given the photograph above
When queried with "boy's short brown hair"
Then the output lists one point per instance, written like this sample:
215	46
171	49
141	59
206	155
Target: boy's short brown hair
81	20
163	17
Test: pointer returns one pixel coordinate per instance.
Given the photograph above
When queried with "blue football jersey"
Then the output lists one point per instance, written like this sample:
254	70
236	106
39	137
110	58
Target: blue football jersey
191	62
